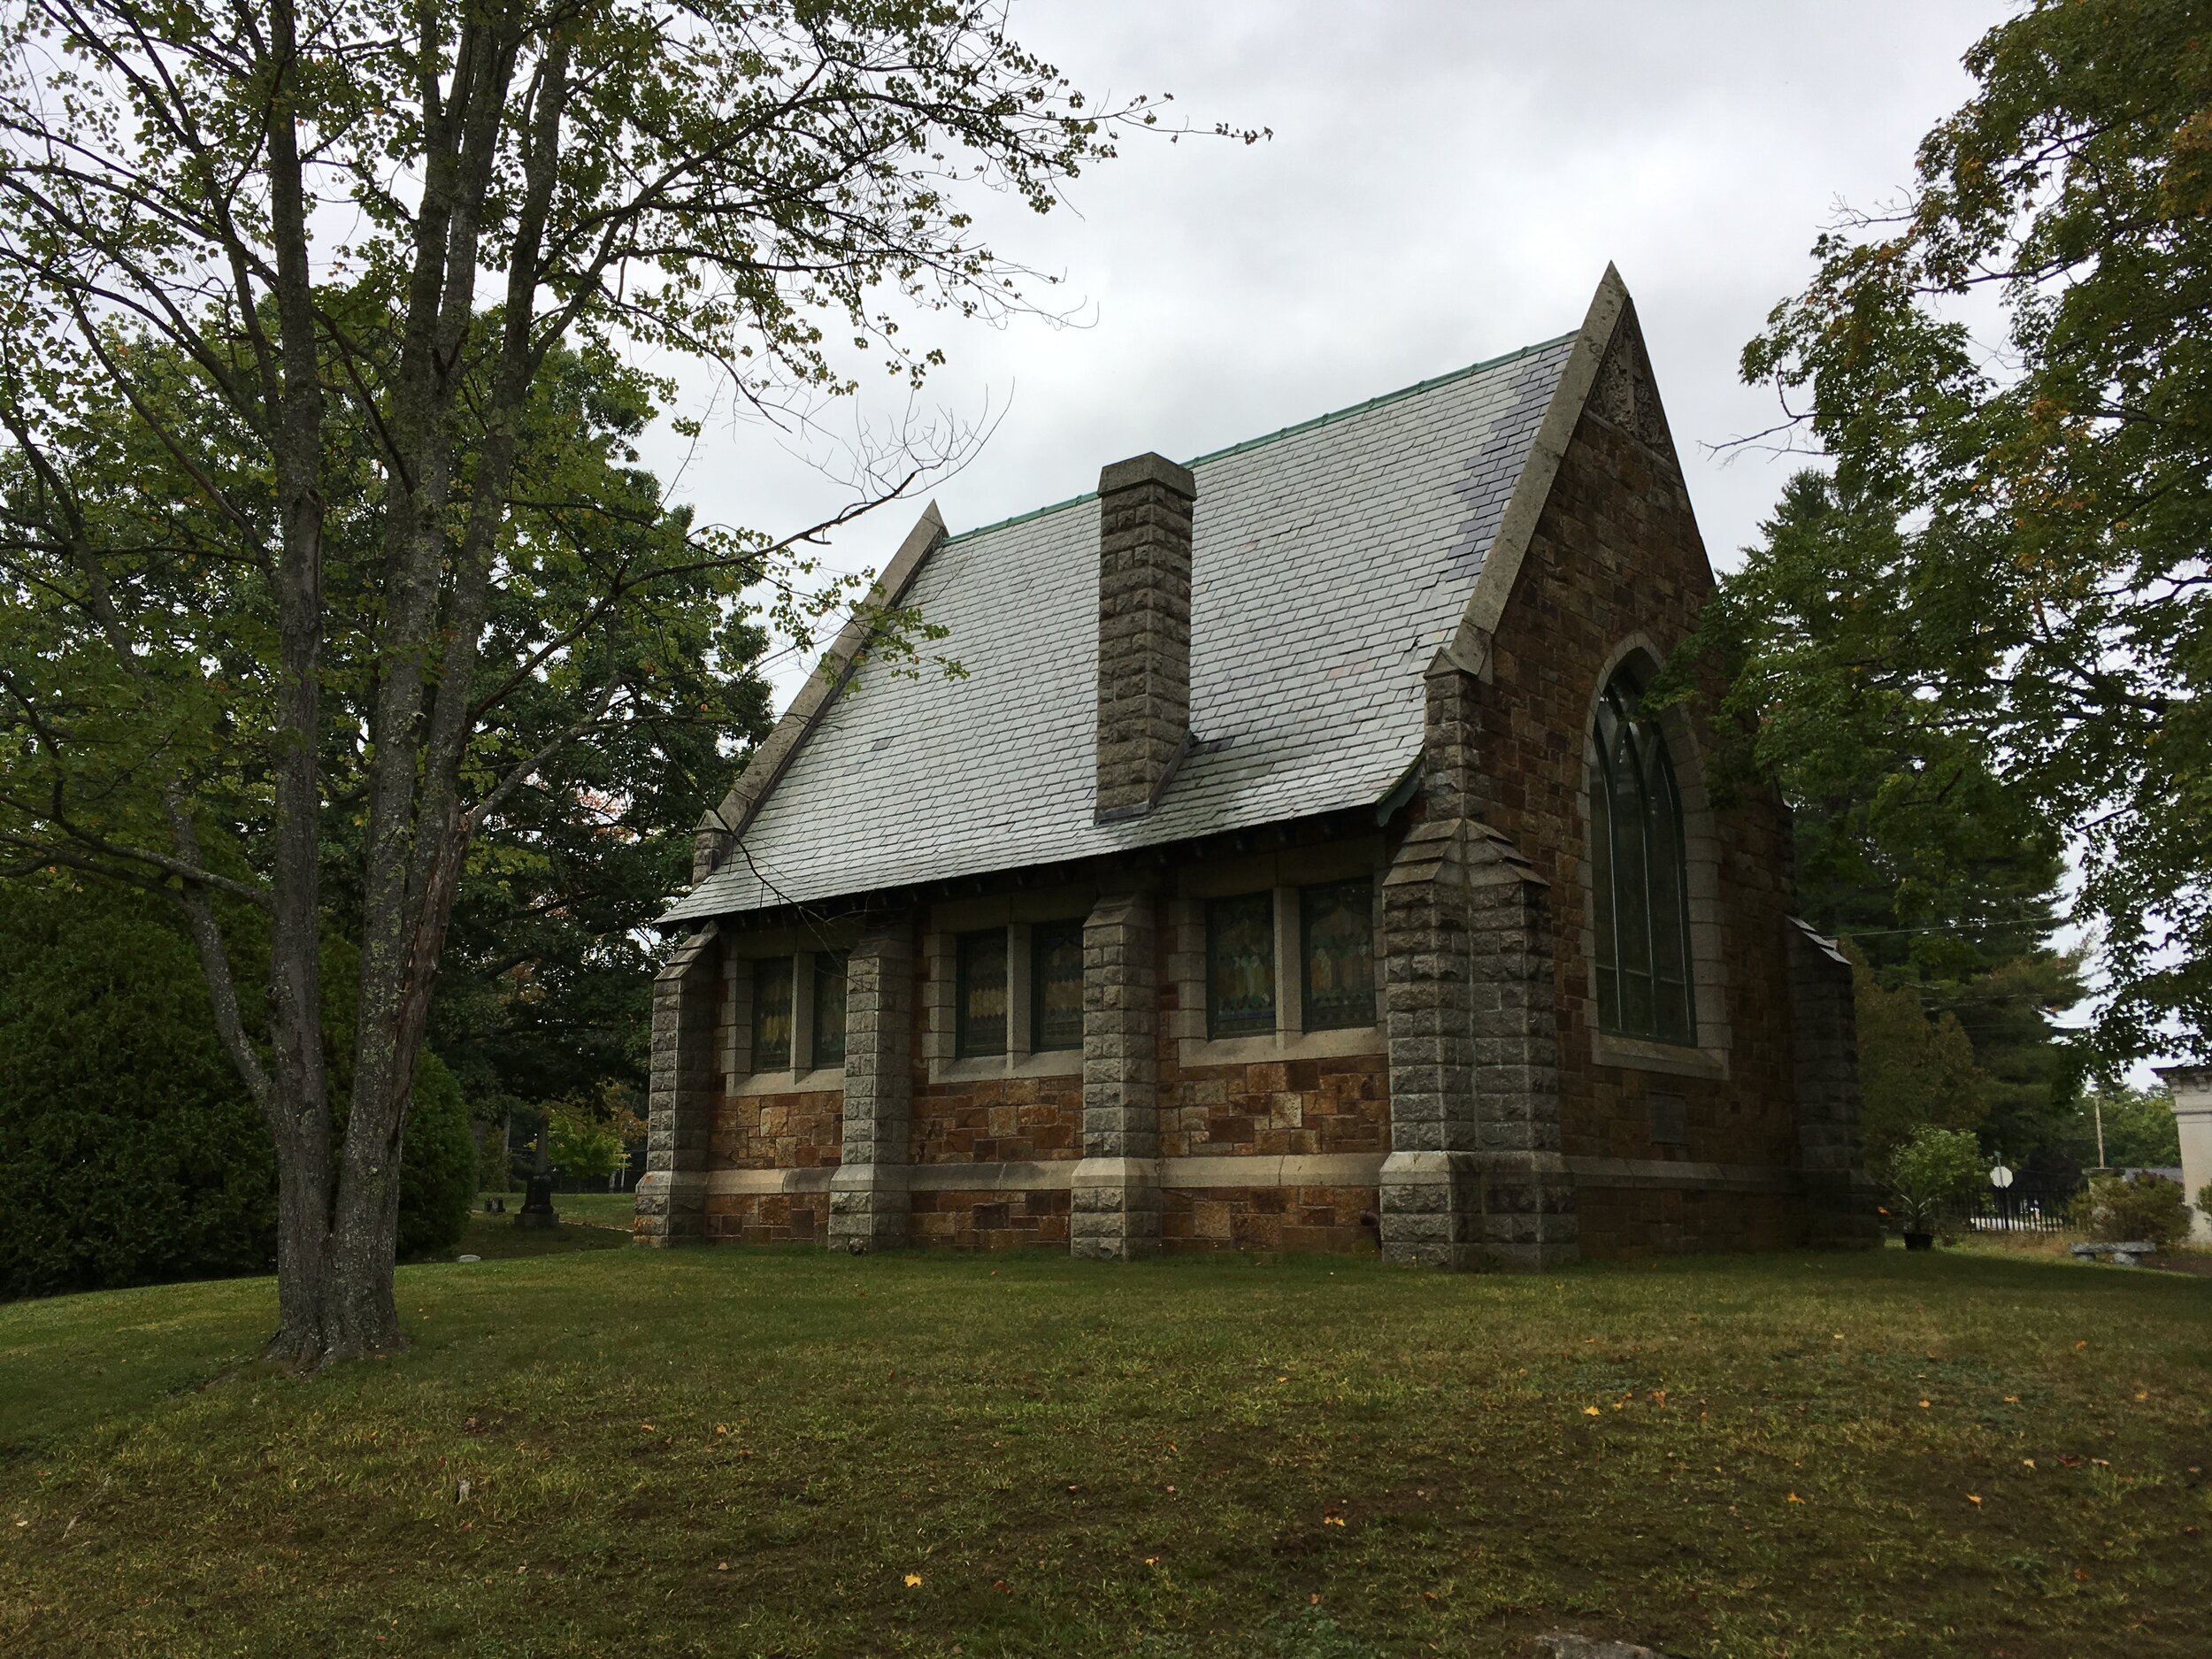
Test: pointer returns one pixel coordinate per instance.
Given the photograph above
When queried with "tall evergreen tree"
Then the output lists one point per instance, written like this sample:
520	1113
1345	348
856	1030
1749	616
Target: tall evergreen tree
1943	876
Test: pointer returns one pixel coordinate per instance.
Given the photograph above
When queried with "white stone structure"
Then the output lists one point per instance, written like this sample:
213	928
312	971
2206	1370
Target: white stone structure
2192	1087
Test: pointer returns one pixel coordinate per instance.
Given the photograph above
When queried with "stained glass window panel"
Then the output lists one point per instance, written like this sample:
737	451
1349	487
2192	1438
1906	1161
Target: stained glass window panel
829	1008
982	992
1055	987
772	1014
1609	968
1631	888
1669	911
1241	965
1338	950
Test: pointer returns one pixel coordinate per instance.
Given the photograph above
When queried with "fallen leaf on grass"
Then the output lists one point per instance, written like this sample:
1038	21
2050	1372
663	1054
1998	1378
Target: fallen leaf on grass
1151	1561
913	1580
721	1566
2081	1345
1331	1520
2027	1463
1924	1405
2101	1463
1589	1411
2142	1396
1795	1499
2068	1460
2012	1400
1974	1498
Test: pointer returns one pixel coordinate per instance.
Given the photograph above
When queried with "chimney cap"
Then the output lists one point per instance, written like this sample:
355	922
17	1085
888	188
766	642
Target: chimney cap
1148	468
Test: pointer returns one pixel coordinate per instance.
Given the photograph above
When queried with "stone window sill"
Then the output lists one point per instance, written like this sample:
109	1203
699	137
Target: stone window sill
823	1080
989	1067
1282	1045
1634	1053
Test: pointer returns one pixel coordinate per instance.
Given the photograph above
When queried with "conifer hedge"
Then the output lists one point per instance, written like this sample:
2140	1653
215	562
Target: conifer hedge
129	1151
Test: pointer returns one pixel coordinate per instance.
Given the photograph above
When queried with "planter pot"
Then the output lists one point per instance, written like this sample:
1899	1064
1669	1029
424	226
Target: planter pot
1919	1240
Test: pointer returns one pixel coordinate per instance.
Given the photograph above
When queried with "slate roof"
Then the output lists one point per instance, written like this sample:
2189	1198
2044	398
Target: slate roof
1329	562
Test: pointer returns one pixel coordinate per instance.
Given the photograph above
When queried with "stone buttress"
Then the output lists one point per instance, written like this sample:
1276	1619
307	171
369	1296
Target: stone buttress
672	1199
1474	1178
1115	1190
870	1205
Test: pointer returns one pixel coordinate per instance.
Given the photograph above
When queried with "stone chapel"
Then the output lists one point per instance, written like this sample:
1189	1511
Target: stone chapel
1297	867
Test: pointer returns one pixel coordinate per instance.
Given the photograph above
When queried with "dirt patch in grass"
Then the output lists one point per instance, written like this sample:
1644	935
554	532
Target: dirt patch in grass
726	1452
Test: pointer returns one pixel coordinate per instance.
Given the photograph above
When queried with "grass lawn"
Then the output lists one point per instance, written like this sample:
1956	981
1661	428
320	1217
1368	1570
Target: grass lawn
717	1452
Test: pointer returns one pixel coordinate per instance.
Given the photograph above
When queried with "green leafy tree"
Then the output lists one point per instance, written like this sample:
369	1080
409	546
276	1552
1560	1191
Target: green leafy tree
2049	609
2141	1131
307	265
586	1146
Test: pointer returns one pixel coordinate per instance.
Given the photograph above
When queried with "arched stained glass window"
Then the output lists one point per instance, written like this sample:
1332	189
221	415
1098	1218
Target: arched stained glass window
1636	862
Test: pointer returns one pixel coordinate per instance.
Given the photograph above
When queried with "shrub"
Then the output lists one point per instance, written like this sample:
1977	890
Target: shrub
2204	1199
437	1162
2116	1209
1932	1171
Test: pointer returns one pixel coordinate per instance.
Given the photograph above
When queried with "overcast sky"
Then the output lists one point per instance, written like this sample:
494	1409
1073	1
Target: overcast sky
1446	182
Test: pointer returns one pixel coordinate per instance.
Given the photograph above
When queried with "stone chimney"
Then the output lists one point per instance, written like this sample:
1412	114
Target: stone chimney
1144	538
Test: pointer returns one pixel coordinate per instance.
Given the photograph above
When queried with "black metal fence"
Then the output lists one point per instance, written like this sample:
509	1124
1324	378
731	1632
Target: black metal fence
2012	1213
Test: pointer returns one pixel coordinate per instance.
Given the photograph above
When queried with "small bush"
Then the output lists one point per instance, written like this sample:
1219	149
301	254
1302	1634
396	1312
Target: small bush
2117	1208
2204	1199
1933	1172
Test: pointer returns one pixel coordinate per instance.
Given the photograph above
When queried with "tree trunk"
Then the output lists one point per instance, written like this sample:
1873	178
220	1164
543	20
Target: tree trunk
335	1250
302	1241
360	1312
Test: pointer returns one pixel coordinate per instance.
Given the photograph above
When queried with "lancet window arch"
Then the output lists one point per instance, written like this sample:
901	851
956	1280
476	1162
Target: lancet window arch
1639	873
